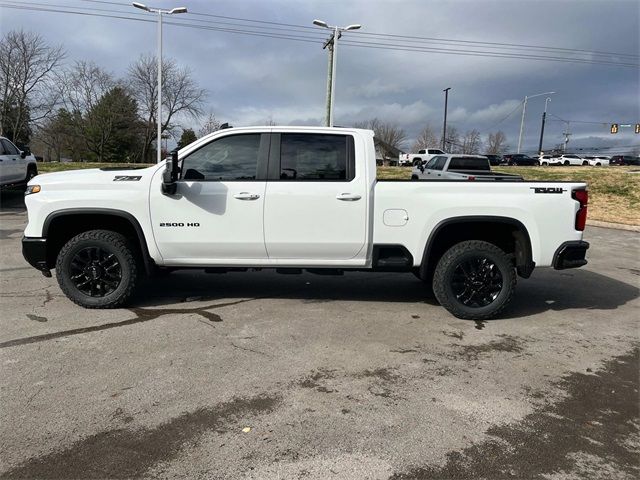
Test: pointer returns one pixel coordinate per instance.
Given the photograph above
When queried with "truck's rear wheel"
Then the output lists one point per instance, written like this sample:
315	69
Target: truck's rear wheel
97	269
474	280
417	161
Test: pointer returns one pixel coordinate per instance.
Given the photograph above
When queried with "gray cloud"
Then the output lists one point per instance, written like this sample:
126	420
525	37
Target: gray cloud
252	79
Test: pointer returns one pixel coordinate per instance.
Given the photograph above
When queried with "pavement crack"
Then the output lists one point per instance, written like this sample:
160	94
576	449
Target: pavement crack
142	315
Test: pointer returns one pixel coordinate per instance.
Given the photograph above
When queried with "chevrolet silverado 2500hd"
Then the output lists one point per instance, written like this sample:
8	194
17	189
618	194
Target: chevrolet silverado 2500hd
295	198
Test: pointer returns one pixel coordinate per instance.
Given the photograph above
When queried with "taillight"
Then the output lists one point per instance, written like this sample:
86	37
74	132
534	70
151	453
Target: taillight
582	197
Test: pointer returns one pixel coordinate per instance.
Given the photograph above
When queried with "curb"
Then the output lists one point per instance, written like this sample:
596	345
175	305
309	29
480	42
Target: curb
617	226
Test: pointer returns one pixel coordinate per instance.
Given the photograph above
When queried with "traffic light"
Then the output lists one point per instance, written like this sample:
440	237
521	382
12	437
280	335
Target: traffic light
637	127
614	128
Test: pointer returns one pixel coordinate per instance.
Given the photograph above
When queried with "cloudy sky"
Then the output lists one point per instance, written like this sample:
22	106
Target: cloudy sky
254	78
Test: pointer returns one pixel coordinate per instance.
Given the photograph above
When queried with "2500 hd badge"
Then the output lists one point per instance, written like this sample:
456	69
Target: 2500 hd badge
179	224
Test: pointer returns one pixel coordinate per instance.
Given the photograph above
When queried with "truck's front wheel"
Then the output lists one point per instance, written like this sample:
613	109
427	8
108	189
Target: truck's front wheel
474	280
97	269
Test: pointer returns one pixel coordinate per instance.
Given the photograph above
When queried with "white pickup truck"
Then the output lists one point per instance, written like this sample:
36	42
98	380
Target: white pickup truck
294	198
413	159
16	166
459	167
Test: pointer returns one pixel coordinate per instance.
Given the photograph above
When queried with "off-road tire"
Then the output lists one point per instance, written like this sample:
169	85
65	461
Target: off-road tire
452	259
109	241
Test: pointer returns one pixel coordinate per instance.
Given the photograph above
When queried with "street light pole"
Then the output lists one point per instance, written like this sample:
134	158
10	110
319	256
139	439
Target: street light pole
544	117
524	108
444	127
332	44
160	12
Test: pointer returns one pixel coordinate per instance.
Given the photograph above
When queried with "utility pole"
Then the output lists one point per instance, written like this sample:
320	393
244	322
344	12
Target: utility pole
160	12
524	109
544	117
444	126
567	134
332	43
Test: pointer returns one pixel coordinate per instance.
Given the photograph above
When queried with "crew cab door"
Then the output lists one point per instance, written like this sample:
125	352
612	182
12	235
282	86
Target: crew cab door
316	201
433	169
215	217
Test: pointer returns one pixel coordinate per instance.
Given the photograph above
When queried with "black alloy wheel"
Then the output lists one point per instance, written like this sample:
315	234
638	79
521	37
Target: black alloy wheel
95	271
476	282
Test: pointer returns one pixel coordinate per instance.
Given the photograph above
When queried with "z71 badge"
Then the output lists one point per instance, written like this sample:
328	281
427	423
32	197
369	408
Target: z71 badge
548	189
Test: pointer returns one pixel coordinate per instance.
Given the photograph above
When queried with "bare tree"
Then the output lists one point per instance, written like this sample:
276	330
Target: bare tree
180	95
210	125
496	143
27	69
83	85
471	142
390	134
427	139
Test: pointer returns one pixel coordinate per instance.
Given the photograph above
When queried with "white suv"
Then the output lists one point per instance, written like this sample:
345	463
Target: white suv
598	160
571	159
16	166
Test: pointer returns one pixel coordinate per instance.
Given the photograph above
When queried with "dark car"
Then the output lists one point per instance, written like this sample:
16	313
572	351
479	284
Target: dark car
520	159
624	160
494	159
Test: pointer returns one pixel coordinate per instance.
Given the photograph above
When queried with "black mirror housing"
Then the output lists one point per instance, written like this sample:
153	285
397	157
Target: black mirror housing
171	175
23	154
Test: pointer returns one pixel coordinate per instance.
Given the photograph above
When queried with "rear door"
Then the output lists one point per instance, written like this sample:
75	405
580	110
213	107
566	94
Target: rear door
316	200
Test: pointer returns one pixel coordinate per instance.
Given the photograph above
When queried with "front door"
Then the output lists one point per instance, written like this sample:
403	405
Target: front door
215	217
316	201
11	163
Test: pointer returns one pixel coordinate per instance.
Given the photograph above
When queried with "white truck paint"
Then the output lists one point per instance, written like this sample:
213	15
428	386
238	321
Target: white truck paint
340	221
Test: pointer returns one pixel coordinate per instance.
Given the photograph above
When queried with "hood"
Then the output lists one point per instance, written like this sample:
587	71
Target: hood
94	177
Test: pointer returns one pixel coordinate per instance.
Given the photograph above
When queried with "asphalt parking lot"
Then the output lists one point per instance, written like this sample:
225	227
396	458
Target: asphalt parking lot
264	376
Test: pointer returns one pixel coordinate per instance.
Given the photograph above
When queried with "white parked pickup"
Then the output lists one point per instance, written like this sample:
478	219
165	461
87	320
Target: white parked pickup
413	159
294	198
458	167
16	167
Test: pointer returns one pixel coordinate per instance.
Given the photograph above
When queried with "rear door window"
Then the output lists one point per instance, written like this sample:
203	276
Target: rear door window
316	157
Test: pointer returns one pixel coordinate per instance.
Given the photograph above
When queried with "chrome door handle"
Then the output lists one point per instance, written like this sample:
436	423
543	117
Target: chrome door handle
246	196
348	197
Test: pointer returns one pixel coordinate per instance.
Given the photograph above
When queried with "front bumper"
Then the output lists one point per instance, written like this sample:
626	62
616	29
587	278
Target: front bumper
570	255
34	251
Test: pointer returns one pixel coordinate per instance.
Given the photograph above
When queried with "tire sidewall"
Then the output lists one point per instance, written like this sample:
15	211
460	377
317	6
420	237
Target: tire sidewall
64	275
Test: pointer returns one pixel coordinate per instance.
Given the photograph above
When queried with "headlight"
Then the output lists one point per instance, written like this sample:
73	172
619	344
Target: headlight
32	189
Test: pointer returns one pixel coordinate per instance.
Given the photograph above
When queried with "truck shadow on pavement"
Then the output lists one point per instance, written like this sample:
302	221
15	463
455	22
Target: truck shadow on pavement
12	200
546	291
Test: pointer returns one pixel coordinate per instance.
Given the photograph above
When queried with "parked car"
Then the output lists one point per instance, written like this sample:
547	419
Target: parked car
494	159
458	167
567	159
229	202
546	160
520	159
414	159
17	167
597	161
624	160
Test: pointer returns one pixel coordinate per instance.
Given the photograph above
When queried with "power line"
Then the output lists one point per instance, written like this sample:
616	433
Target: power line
297	36
411	38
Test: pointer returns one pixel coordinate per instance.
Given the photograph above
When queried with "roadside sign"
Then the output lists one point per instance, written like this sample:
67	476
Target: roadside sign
625	125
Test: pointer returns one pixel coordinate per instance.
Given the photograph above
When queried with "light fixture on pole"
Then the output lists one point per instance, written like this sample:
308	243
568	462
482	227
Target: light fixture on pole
544	117
160	12
444	127
524	109
332	43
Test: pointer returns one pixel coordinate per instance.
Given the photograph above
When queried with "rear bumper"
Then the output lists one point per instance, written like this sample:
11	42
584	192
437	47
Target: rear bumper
570	255
34	251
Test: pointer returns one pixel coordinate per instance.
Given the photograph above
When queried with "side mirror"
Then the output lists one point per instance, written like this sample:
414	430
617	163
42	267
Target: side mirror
170	175
421	167
23	154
